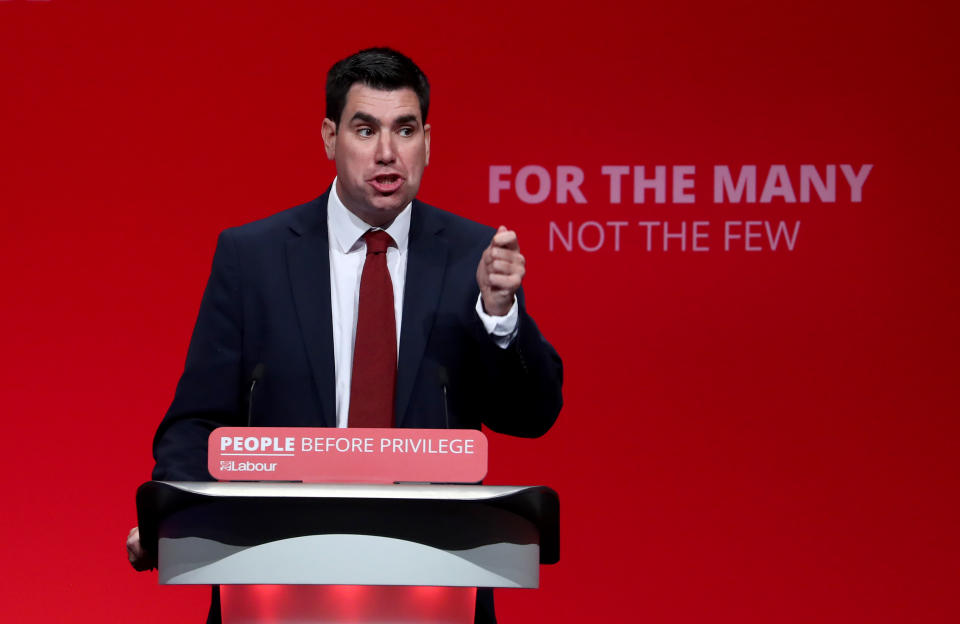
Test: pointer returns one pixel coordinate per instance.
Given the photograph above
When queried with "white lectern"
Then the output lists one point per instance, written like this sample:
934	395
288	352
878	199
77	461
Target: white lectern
394	546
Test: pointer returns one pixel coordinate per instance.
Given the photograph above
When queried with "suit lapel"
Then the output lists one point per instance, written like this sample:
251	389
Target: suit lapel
426	265
309	269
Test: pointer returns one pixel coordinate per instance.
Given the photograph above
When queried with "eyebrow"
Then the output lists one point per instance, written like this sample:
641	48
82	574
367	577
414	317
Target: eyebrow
365	117
405	119
370	119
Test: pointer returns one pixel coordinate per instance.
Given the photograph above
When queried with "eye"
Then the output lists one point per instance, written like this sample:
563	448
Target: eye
407	131
365	131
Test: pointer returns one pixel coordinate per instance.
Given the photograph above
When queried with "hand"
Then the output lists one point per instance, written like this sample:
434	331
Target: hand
500	272
138	557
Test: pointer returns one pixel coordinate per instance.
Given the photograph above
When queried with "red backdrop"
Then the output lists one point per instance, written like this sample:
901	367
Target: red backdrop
749	436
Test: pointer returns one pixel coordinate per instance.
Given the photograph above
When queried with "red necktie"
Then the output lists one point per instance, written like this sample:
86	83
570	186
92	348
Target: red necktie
374	381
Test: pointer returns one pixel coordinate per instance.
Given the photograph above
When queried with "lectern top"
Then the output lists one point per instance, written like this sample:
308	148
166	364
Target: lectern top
421	491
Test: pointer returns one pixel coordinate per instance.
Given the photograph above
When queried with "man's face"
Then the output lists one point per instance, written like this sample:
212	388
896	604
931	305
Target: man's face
380	149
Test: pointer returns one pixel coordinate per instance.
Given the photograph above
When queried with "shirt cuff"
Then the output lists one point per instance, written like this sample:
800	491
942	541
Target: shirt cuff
502	329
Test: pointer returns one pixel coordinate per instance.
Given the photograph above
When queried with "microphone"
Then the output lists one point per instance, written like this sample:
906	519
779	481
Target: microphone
256	376
444	377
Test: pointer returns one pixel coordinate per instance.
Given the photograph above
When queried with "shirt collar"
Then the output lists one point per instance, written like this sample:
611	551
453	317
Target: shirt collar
347	228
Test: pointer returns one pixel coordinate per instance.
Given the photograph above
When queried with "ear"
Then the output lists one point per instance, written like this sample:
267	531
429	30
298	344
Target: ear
426	142
328	130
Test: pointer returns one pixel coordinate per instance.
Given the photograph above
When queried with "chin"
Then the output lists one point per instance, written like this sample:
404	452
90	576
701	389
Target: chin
391	203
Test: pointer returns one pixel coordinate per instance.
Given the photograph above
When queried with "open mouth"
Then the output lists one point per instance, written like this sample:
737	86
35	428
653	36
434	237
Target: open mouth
386	183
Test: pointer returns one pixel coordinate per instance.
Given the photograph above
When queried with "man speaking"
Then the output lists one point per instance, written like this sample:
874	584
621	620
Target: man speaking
364	307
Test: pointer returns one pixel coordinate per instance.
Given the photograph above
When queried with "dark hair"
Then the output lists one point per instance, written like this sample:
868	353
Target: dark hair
379	68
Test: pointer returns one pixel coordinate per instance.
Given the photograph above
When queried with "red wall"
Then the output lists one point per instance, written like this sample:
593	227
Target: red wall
749	436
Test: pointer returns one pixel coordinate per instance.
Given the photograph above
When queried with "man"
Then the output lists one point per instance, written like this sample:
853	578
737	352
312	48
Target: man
448	344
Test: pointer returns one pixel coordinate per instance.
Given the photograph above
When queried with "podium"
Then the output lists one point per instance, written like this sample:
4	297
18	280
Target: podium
309	552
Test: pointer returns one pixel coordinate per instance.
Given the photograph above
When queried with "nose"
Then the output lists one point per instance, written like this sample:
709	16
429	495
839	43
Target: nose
386	150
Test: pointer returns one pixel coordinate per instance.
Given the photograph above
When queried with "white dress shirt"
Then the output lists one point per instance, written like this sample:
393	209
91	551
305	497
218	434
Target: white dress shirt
348	252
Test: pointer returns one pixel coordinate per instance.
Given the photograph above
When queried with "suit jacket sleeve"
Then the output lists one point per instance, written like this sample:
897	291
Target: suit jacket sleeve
209	393
518	388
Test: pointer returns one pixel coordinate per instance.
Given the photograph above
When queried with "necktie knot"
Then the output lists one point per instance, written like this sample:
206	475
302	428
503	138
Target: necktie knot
378	241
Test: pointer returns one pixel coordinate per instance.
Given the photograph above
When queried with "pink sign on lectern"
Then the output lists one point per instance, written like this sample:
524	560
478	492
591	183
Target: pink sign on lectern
329	455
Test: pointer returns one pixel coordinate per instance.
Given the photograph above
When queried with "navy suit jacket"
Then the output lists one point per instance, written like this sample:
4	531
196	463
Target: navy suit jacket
268	301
